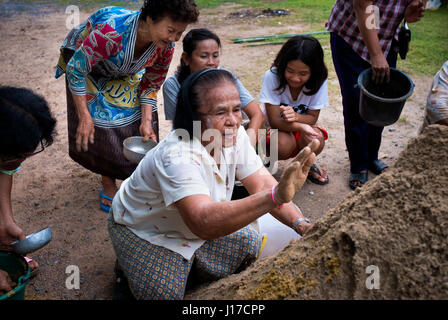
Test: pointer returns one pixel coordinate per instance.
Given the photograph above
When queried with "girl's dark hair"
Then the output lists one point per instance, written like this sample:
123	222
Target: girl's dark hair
189	43
191	92
177	10
309	51
25	120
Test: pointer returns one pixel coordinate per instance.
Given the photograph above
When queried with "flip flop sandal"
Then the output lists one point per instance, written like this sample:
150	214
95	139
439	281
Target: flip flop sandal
361	177
104	207
315	169
377	166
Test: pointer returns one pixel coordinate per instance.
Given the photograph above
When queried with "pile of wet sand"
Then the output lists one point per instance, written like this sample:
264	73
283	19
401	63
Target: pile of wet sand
387	240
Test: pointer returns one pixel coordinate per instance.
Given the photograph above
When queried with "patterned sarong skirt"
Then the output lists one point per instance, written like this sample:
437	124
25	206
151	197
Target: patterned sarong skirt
157	273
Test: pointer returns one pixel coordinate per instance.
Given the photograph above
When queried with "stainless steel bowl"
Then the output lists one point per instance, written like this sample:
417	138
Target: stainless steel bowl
33	242
134	149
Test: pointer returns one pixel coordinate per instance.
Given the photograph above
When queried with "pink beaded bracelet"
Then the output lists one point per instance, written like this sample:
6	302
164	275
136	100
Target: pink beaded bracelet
273	199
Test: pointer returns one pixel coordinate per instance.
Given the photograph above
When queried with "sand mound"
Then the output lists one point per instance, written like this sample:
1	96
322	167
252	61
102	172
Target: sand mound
398	223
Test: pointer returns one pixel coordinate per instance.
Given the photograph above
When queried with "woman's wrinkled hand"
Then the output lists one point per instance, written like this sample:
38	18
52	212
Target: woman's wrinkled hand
147	132
296	174
85	133
303	227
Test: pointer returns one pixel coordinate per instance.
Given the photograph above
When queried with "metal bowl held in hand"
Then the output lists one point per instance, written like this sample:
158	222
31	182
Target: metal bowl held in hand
381	104
33	242
134	149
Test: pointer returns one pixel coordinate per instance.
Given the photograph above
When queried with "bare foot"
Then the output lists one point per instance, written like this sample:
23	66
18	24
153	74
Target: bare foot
322	177
32	263
109	189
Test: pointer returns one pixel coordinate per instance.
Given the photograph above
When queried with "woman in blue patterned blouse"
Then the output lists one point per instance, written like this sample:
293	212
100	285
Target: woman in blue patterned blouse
115	62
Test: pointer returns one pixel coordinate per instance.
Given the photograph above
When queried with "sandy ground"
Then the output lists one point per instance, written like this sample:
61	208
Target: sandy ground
52	190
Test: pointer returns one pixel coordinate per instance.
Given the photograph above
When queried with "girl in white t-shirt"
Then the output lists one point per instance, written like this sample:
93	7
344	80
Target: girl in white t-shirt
293	92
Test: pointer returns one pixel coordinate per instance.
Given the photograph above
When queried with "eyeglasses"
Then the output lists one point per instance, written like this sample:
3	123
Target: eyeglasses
23	156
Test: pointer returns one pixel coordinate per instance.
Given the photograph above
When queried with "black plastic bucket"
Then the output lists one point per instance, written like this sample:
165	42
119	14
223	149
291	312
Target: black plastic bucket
381	104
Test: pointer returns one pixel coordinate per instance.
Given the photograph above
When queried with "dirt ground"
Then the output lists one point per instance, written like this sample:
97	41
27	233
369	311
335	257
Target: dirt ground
52	190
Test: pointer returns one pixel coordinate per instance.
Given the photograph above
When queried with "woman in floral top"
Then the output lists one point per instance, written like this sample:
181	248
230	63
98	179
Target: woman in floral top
115	62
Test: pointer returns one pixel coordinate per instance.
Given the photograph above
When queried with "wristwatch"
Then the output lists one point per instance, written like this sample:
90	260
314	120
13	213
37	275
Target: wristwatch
297	222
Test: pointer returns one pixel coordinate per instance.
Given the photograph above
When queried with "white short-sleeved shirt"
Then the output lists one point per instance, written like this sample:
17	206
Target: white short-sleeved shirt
170	172
171	88
269	94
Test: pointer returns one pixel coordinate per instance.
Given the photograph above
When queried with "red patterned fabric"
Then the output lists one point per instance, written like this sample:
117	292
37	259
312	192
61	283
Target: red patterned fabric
156	70
103	42
105	45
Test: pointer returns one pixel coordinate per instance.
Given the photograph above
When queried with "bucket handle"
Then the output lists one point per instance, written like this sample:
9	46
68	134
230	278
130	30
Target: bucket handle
23	279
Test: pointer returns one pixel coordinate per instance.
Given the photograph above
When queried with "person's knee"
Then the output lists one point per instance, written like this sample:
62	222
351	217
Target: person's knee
321	138
286	145
250	241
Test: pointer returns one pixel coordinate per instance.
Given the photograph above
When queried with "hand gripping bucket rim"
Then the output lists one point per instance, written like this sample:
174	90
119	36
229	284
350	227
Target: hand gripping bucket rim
382	111
375	97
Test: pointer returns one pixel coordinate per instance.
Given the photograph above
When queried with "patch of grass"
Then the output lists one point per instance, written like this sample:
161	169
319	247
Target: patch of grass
309	12
206	4
428	49
318	9
86	4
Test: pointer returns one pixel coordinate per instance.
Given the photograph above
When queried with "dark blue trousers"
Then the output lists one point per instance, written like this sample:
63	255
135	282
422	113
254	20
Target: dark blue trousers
362	139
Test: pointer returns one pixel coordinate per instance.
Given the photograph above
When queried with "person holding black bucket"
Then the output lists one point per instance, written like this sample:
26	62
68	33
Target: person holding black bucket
27	127
364	34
